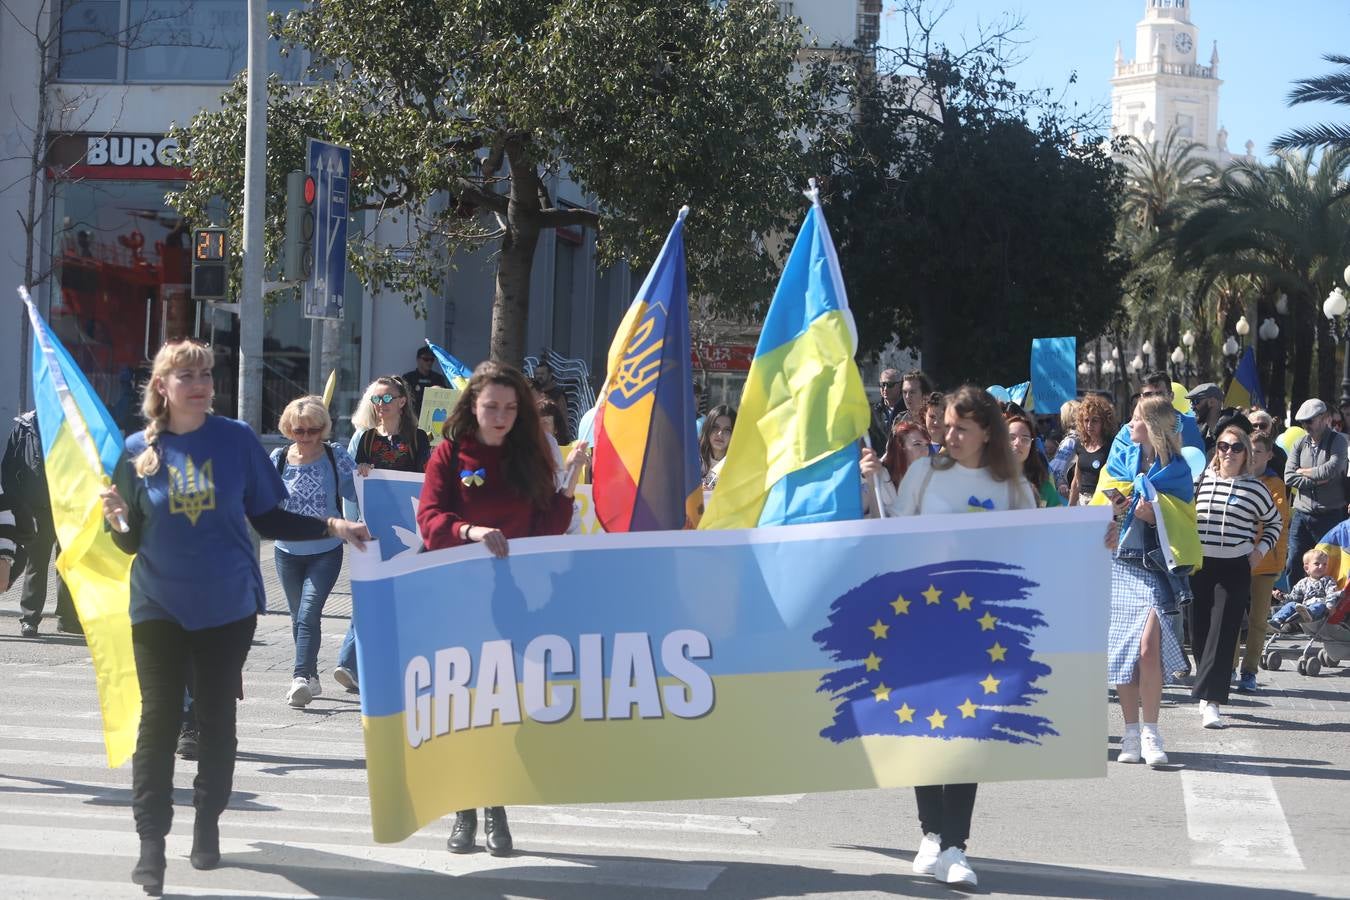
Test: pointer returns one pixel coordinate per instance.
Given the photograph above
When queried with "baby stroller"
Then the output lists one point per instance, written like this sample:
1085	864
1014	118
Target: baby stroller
1332	631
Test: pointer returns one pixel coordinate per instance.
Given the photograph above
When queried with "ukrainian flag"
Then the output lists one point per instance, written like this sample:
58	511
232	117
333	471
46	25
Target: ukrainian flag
1171	490
1336	545
794	453
647	475
1245	388
81	447
458	373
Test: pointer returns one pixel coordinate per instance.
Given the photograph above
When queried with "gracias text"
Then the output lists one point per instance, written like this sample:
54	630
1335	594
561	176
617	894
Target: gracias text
437	698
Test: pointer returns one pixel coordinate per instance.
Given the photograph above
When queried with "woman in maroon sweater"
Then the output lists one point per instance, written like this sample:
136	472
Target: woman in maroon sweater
490	480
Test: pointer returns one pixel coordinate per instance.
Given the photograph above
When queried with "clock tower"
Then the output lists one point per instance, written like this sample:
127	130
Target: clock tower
1164	87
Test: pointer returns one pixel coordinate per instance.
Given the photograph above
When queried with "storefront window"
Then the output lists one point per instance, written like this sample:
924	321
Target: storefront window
89	45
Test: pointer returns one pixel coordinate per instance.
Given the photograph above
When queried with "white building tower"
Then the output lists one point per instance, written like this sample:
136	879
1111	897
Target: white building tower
1164	87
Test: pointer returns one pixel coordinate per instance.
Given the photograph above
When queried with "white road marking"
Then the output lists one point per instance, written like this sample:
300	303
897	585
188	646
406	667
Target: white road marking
1234	817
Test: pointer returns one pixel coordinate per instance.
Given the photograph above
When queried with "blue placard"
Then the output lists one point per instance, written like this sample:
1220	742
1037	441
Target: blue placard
331	168
1054	375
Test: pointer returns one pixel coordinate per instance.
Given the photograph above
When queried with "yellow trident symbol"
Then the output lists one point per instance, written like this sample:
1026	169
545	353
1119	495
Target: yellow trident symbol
641	364
192	491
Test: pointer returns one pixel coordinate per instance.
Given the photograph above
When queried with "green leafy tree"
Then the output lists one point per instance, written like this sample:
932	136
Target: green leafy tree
965	228
1330	88
458	112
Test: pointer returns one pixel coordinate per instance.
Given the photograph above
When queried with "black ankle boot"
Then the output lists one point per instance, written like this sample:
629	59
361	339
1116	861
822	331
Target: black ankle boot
465	830
205	844
149	871
498	836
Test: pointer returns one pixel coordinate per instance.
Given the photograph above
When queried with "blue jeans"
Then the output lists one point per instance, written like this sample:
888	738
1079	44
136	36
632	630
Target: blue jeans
347	652
307	580
1305	530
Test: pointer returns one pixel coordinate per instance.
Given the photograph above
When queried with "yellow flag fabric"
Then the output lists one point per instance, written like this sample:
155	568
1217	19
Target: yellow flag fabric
329	388
81	446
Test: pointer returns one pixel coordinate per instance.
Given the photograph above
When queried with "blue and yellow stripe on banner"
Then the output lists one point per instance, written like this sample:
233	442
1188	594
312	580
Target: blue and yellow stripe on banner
81	446
794	452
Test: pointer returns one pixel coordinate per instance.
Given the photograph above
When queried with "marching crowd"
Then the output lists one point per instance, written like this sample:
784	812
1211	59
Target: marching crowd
1210	513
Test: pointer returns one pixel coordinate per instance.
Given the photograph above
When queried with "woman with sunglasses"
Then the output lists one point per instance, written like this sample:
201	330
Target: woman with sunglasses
492	480
387	437
1239	525
714	441
193	483
908	444
318	476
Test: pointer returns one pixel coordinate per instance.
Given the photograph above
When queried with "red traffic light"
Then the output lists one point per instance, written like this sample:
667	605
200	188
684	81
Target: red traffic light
310	190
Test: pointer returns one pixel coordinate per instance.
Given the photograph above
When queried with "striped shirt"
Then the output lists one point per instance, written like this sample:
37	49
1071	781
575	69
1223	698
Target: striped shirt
1229	512
8	533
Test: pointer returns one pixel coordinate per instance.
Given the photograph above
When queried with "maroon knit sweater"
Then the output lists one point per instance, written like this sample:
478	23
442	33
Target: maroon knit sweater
448	499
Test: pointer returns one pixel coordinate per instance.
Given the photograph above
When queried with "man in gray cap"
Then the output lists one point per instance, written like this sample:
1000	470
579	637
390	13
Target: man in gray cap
1206	400
1316	469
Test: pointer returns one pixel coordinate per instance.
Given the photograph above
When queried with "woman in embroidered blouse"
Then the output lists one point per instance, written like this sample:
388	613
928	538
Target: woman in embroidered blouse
387	436
490	481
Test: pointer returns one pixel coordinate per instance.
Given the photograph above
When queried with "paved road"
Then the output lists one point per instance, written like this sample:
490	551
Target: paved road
1257	811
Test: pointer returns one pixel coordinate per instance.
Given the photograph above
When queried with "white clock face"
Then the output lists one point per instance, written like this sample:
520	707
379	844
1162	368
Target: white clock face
1183	43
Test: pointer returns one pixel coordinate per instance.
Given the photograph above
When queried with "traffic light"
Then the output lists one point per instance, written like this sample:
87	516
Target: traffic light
210	264
297	251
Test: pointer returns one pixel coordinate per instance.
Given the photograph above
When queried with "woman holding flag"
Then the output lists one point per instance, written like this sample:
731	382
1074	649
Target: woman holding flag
492	480
193	483
976	471
1148	573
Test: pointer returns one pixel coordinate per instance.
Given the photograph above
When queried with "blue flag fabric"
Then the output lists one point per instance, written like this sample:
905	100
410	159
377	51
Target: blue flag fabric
455	370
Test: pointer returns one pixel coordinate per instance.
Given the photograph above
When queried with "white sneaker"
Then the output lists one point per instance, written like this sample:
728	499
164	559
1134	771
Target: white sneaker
1151	745
299	696
346	679
1210	717
1129	746
952	868
926	857
315	689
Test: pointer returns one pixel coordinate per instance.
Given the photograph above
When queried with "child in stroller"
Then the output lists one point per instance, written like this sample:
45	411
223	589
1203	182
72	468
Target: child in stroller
1309	600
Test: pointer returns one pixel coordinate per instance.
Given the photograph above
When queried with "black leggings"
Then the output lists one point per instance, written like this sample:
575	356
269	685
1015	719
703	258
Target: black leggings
163	650
1223	589
945	809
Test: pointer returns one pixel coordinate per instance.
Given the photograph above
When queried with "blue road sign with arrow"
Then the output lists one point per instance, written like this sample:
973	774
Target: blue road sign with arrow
331	168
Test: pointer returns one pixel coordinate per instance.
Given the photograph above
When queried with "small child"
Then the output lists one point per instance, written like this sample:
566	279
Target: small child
1310	599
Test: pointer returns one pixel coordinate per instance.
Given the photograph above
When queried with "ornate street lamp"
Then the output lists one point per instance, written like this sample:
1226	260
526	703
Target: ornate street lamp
1334	308
1268	331
1243	328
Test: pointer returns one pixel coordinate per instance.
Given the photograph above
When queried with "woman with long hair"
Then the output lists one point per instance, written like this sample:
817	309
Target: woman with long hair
907	444
713	441
490	481
186	493
1022	434
387	437
976	471
1142	649
318	476
1239	525
1096	427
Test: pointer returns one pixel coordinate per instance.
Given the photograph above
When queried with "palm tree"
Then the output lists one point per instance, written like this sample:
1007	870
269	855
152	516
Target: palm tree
1333	88
1286	225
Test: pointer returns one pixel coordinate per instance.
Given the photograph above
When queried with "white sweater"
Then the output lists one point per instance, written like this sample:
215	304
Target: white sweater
957	490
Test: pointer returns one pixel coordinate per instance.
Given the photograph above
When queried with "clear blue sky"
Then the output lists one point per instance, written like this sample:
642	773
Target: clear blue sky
1263	47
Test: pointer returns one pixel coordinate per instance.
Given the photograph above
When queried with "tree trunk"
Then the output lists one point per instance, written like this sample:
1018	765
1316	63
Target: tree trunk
1302	308
37	158
1326	363
511	304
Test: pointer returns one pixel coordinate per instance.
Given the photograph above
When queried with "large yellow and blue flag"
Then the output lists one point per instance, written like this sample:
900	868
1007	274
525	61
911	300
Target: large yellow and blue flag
1336	545
1245	388
81	446
646	464
458	373
794	452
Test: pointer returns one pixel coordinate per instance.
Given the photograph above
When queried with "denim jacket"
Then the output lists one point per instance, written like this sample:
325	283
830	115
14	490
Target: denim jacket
1139	546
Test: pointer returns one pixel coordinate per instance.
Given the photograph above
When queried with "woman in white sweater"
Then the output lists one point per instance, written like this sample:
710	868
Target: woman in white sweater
907	444
975	472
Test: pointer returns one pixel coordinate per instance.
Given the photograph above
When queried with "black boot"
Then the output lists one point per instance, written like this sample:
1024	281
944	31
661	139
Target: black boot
497	835
149	871
465	830
205	843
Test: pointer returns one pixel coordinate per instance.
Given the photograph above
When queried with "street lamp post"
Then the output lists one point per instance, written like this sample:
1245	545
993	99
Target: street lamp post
1146	350
1334	308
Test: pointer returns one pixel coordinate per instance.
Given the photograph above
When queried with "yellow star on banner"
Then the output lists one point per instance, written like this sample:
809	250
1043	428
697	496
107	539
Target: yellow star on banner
997	652
932	595
881	692
967	709
879	629
873	662
905	713
986	622
963	601
990	684
901	606
937	720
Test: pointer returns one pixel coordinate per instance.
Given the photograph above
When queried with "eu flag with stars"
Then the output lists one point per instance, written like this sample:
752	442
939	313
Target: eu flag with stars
942	651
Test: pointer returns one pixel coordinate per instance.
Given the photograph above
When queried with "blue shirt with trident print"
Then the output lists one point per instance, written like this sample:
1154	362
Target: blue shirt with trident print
196	564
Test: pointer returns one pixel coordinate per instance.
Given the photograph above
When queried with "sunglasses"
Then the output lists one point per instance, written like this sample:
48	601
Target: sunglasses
1019	438
1225	447
1147	394
379	399
889	384
306	432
